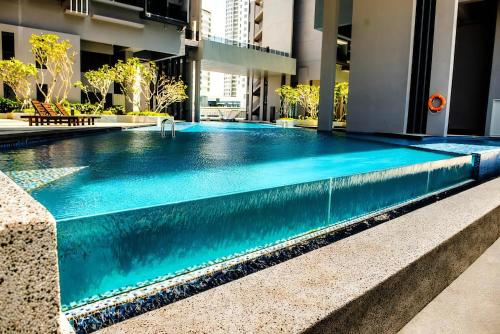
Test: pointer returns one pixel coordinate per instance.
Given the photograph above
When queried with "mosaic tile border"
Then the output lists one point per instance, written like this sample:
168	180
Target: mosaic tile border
98	315
30	180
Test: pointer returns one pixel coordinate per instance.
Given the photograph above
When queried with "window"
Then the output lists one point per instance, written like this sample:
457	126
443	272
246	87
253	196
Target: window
39	95
8	45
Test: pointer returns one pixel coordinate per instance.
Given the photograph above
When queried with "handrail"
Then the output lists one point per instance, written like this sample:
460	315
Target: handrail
79	6
162	128
191	35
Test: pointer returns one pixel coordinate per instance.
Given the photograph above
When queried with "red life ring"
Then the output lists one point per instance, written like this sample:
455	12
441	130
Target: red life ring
432	99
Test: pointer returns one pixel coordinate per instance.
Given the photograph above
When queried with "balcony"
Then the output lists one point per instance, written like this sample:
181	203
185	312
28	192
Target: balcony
169	11
134	5
78	8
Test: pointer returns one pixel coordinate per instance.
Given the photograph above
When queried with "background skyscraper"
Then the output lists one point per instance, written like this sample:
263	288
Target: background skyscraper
206	30
237	26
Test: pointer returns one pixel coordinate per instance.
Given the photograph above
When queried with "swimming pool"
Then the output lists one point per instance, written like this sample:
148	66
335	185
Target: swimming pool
134	208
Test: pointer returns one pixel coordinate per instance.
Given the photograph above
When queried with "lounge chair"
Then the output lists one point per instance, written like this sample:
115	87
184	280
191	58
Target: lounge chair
41	115
45	114
71	120
81	118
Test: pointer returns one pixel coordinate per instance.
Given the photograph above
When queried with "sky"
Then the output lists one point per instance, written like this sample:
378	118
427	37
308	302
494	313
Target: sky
218	9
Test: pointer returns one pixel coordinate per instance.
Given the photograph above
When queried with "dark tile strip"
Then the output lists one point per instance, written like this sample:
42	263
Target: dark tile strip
9	142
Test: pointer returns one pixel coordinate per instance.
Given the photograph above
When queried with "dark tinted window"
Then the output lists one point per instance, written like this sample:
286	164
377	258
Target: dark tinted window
8	45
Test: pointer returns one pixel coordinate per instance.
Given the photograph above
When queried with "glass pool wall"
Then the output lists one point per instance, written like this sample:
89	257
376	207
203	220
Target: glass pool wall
101	256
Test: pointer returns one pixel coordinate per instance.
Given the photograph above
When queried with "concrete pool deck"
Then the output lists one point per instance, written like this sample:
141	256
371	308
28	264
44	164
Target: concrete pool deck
373	282
471	304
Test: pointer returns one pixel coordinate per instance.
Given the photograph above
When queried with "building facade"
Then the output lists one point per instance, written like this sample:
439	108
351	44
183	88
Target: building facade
237	14
206	30
101	32
403	53
271	29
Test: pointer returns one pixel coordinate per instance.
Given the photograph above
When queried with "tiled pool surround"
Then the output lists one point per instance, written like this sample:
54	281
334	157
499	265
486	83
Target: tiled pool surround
485	150
104	313
9	141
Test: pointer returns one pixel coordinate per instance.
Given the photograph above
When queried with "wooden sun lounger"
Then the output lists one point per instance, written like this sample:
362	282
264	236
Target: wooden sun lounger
81	118
71	120
42	116
45	114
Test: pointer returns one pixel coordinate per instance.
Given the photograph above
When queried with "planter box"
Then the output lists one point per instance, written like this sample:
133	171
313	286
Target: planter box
313	123
127	119
286	123
307	123
14	115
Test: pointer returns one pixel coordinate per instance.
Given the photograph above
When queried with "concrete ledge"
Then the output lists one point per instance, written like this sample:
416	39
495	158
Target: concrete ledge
29	278
372	282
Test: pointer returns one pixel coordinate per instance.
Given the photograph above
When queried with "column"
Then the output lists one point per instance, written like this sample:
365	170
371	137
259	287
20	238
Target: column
442	63
328	64
197	88
493	121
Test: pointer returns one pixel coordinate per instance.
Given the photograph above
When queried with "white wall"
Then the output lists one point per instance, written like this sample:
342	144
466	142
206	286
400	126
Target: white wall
273	99
277	28
307	42
381	55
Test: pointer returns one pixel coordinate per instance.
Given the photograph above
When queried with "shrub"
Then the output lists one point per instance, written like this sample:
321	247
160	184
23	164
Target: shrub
8	105
82	108
114	110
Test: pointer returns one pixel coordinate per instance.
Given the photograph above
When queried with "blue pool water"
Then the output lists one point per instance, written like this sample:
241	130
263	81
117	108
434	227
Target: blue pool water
133	207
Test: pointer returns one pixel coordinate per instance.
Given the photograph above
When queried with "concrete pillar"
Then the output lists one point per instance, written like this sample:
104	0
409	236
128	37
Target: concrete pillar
381	61
494	83
328	64
197	90
190	89
443	56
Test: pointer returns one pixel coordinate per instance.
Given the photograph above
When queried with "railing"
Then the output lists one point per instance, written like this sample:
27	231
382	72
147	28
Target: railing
162	128
245	45
79	6
166	11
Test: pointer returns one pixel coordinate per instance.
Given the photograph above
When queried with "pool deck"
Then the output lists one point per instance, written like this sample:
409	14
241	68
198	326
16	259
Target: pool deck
486	157
471	304
15	133
375	281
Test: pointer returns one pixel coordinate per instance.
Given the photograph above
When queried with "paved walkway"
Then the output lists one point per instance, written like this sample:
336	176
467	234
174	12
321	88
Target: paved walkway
471	304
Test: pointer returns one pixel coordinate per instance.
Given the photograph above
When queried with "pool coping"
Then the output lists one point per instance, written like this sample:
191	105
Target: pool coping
398	267
29	275
106	312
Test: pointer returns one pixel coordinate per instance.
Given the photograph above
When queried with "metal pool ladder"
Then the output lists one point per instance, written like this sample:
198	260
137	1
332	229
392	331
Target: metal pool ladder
171	121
